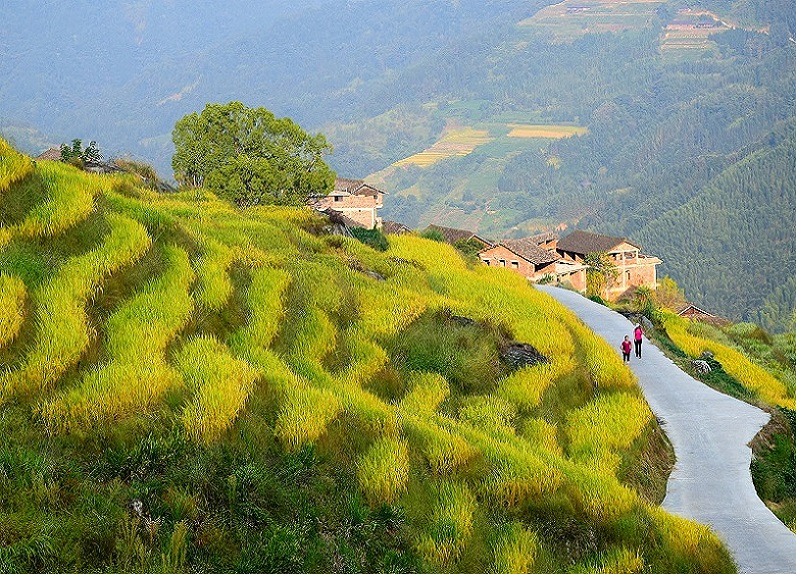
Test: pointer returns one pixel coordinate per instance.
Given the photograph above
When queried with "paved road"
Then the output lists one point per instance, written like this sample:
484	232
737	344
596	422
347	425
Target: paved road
710	431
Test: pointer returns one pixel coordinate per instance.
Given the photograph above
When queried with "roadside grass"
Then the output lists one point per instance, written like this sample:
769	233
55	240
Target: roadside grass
753	377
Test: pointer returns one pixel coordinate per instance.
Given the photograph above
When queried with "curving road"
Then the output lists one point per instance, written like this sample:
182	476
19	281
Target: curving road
711	482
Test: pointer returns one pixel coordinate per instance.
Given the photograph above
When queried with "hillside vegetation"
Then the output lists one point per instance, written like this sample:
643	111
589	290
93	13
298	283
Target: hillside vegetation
188	387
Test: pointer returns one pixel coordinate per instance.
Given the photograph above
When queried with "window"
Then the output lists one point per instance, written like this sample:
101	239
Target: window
485	261
515	264
627	276
502	262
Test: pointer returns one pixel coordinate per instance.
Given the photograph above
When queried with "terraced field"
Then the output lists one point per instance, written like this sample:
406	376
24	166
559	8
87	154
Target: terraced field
457	143
568	20
186	386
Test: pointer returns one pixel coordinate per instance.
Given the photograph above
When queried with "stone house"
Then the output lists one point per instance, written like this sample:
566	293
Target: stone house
634	268
356	200
525	256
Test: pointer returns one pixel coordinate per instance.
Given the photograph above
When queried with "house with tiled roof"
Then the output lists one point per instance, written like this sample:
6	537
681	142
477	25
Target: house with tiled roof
50	154
525	256
356	200
634	268
452	235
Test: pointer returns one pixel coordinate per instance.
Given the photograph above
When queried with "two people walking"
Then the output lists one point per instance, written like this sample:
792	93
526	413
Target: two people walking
626	346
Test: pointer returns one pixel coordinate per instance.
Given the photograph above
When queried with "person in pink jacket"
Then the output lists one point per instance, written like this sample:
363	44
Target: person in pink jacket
626	346
638	334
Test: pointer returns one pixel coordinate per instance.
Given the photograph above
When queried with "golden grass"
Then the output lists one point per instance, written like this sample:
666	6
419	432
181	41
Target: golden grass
617	561
14	166
13	295
450	525
428	390
214	287
69	200
221	385
62	332
383	471
608	423
600	496
444	451
555	131
514	551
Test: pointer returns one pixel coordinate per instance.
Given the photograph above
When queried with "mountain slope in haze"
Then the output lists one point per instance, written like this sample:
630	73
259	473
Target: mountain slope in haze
667	96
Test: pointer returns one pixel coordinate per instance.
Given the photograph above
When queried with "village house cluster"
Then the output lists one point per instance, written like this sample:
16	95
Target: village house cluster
543	257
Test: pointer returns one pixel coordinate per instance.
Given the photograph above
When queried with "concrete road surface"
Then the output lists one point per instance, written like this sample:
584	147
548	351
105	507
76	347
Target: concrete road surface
711	482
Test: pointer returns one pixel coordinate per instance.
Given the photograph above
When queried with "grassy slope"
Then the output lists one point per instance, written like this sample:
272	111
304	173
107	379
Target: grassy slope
188	386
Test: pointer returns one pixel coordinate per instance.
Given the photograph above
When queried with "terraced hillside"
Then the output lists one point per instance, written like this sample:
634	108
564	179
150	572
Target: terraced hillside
188	387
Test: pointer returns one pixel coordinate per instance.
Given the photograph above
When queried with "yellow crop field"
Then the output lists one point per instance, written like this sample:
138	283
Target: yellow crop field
457	143
545	131
170	359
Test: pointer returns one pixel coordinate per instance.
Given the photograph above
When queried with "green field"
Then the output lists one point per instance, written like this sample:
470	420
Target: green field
191	387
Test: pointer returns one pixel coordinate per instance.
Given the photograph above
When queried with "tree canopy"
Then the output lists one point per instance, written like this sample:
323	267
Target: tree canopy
249	156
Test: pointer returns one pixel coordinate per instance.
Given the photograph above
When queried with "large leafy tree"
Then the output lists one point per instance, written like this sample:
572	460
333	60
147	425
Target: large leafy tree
249	156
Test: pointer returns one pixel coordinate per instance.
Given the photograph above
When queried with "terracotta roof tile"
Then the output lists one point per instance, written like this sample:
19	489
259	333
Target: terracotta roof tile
583	243
529	249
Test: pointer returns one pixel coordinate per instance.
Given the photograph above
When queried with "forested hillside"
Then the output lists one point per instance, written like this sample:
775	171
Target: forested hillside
187	386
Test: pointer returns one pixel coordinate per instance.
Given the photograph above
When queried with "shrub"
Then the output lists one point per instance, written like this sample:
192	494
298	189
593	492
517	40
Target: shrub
372	237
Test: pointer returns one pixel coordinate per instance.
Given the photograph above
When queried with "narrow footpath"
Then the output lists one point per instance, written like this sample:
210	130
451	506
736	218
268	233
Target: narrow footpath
711	482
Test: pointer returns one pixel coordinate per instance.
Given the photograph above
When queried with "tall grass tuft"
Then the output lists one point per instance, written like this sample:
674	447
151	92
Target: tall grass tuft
609	422
69	200
445	451
428	392
12	307
524	388
514	551
214	285
383	471
221	386
450	524
616	561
